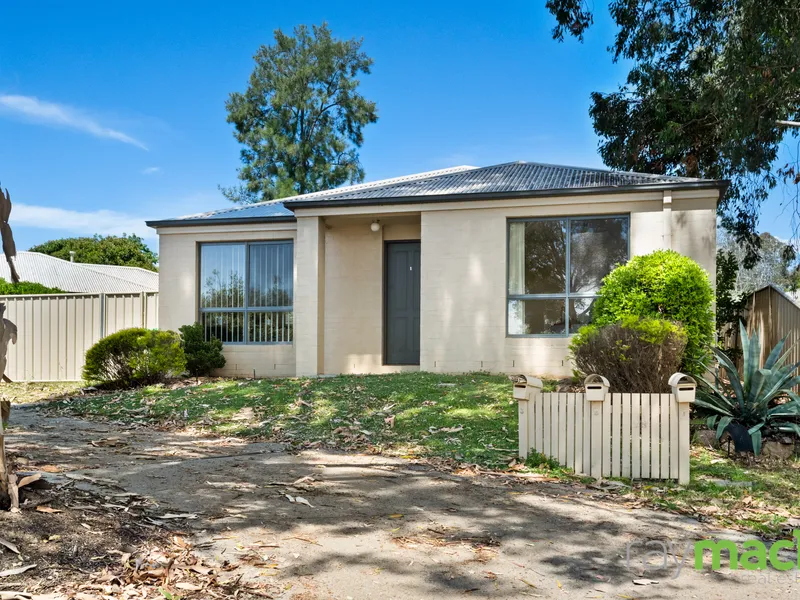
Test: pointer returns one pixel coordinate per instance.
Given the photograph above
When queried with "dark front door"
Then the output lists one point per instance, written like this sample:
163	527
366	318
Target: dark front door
402	303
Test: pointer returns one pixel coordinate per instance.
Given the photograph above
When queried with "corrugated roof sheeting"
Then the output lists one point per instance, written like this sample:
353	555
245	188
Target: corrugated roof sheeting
77	277
512	177
517	177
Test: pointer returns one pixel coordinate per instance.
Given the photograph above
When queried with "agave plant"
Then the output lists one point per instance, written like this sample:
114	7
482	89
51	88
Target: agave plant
758	399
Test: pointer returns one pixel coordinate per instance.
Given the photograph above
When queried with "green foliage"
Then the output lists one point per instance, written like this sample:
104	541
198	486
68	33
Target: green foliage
124	250
135	356
706	88
729	303
301	118
635	355
749	398
201	355
25	287
663	285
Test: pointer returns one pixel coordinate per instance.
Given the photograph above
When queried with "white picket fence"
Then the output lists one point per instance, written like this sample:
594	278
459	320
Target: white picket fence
639	436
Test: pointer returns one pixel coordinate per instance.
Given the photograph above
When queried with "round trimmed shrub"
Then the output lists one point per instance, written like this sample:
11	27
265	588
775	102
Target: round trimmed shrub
135	356
202	355
663	285
635	355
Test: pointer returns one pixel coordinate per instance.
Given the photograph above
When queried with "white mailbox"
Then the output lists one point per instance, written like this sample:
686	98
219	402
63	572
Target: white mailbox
524	385
683	387
596	388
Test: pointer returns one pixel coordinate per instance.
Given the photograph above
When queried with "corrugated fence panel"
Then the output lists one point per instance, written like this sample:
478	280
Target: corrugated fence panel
56	330
774	315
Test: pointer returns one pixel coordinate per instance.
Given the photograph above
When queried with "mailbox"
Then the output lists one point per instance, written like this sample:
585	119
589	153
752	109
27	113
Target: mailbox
524	386
683	387
596	388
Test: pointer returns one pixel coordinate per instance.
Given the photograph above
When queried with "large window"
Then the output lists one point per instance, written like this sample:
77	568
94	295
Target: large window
555	267
246	292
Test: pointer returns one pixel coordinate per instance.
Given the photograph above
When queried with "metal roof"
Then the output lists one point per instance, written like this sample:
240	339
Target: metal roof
80	277
516	179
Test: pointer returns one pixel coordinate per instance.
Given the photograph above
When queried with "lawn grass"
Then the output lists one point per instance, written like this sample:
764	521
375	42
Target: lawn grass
471	418
30	391
769	499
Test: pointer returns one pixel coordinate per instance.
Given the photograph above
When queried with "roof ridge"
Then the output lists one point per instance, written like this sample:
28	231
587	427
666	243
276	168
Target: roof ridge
79	266
92	265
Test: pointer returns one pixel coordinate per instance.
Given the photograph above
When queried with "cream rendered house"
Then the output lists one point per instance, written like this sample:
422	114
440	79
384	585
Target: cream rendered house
461	269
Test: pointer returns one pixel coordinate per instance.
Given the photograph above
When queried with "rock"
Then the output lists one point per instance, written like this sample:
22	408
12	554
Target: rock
775	449
707	438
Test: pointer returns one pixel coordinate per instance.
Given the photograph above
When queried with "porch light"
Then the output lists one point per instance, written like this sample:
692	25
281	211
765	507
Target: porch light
375	226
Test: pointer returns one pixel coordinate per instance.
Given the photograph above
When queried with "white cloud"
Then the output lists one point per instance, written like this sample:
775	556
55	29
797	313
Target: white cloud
59	115
104	222
151	170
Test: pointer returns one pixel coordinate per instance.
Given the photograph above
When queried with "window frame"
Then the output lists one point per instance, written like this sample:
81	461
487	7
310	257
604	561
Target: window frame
566	295
246	309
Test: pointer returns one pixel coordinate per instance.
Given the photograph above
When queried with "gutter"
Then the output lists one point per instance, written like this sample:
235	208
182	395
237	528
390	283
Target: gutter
226	220
721	184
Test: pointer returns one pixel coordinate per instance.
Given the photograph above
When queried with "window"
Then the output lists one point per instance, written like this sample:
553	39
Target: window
555	267
246	292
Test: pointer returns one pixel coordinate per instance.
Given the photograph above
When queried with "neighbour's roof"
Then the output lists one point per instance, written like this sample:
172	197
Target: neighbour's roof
517	179
80	277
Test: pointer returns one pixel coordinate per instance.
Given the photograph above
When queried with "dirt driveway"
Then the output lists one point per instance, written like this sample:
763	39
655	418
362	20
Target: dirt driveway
377	527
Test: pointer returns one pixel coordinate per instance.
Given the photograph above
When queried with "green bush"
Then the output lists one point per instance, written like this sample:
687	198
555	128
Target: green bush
201	355
25	287
635	355
135	357
663	285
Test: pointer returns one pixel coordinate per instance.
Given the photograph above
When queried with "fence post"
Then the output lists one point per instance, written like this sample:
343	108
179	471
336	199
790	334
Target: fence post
143	309
529	388
596	391
684	389
102	316
521	396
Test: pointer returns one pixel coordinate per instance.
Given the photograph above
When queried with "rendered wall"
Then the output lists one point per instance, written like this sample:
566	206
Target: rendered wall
178	289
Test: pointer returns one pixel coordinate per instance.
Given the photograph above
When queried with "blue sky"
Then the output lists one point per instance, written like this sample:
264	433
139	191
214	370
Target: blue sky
113	113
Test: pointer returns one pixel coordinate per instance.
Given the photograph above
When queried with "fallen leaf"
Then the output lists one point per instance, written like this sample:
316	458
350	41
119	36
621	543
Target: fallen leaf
396	516
29	479
192	587
17	571
9	545
644	582
452	429
526	582
179	516
301	500
48	510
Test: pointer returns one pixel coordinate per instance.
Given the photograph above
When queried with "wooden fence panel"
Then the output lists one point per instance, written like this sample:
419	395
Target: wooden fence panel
625	435
56	330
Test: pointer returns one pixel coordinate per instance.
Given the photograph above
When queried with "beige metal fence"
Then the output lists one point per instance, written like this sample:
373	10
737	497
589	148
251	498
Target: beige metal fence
640	436
775	315
56	330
